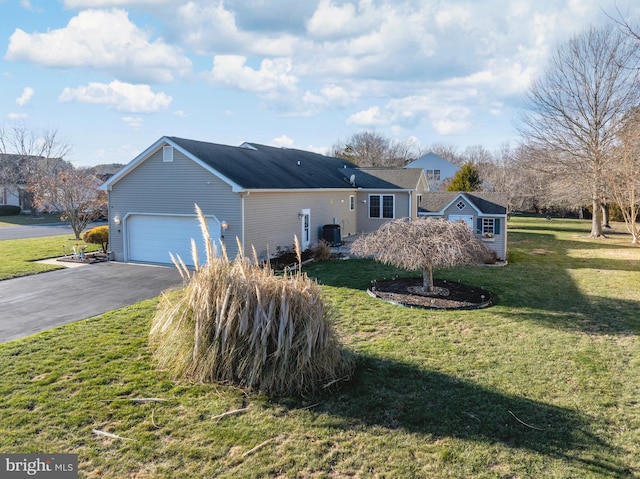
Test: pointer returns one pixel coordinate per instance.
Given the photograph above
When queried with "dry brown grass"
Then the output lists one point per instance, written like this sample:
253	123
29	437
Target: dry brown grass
238	323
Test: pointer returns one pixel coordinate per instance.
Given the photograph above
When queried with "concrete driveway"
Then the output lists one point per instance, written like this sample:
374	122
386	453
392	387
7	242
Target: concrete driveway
36	303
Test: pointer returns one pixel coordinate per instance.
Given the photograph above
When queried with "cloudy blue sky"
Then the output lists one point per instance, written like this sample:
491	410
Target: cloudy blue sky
113	76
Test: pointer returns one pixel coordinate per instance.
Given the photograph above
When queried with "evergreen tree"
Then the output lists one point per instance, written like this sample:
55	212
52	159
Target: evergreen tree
466	179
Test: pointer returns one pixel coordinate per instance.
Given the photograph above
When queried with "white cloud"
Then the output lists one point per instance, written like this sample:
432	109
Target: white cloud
321	150
212	28
27	93
369	117
330	96
330	20
103	40
283	141
450	15
273	75
16	116
81	4
119	96
447	112
27	5
134	122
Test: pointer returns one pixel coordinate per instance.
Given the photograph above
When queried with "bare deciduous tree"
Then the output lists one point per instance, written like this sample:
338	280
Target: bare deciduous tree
448	152
369	148
423	244
26	154
575	109
74	194
624	176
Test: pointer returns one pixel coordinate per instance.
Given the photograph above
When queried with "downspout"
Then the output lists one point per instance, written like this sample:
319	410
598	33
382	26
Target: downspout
242	219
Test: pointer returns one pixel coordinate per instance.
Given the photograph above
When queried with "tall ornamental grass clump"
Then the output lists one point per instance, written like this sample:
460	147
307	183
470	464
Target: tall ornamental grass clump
239	323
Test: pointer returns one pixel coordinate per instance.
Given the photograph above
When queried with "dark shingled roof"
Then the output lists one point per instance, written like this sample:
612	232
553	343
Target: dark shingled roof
256	166
487	202
383	178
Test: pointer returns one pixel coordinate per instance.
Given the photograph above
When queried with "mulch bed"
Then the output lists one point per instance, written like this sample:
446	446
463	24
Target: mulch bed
90	258
460	296
289	260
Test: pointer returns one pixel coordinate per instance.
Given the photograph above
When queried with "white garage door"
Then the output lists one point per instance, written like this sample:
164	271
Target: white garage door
152	237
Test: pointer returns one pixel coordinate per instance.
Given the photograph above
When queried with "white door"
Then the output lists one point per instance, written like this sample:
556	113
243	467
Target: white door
305	218
466	218
150	238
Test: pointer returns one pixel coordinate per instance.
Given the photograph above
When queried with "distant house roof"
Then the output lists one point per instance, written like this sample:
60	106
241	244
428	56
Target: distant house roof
429	160
485	202
382	178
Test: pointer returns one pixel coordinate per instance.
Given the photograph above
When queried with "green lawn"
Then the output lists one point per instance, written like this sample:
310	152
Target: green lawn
17	257
41	219
546	384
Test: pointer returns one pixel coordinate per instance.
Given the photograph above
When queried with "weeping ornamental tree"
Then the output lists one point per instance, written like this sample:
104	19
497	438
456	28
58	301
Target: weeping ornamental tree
236	322
423	244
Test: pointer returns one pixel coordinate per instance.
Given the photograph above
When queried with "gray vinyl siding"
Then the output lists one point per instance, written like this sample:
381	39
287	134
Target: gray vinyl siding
401	208
173	187
272	220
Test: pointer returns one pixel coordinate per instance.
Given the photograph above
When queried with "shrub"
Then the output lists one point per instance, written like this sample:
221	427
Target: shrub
9	210
237	322
98	235
322	252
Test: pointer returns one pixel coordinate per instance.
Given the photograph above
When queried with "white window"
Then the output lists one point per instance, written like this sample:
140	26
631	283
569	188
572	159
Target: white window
352	203
419	199
460	205
167	154
488	226
2	196
433	175
381	206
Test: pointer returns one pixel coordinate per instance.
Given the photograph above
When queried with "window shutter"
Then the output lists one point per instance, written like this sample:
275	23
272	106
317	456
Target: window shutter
479	230
496	226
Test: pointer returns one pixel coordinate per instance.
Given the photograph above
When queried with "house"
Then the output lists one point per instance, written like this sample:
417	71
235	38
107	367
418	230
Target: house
253	197
436	169
16	172
485	213
13	189
387	193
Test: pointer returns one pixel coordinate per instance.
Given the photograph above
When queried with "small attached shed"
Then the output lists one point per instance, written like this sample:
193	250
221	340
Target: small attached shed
485	213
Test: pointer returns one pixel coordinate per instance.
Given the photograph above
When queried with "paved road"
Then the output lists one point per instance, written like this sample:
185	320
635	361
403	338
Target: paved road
35	231
36	303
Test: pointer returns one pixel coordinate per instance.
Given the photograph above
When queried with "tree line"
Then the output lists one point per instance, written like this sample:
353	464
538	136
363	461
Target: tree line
579	147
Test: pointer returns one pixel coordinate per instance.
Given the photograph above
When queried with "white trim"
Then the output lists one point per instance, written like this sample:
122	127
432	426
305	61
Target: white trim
305	242
167	154
381	217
